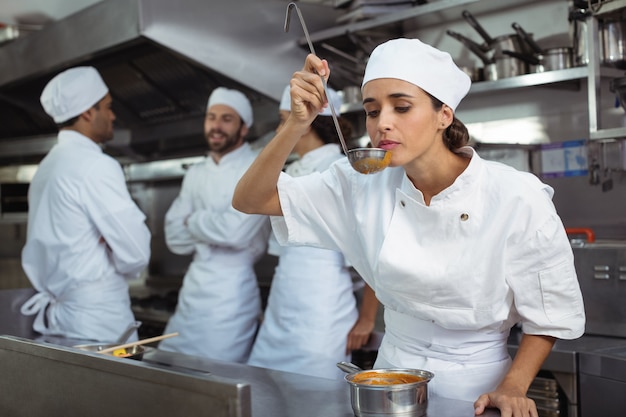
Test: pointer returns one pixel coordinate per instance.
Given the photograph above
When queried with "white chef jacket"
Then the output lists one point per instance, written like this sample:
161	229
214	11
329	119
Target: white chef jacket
85	237
219	302
311	307
488	252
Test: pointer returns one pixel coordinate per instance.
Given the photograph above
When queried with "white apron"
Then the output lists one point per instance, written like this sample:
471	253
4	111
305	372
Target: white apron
91	310
218	307
466	363
310	311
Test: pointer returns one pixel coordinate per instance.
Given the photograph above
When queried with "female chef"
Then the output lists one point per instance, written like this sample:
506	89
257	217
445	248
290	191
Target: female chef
457	249
311	321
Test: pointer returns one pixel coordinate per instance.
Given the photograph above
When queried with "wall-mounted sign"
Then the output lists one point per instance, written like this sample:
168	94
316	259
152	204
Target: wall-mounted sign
564	159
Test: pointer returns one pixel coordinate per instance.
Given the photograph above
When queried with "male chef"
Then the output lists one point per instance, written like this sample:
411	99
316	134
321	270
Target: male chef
219	303
86	237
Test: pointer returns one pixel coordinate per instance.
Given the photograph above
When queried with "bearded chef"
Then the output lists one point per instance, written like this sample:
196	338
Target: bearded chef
219	304
86	237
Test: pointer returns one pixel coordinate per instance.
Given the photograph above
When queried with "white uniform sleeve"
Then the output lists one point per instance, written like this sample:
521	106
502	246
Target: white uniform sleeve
543	279
178	238
230	228
117	217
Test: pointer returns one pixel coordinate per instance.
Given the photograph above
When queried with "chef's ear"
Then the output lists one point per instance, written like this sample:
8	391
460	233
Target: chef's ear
243	131
446	116
88	114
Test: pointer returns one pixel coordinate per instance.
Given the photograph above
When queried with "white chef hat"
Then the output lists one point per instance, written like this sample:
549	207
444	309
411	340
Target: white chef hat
234	99
72	92
422	65
333	96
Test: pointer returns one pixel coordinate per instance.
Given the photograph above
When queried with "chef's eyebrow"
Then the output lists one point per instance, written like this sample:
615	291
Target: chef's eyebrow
393	95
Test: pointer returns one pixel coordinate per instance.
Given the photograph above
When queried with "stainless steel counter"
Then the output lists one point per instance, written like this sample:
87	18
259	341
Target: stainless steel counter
272	393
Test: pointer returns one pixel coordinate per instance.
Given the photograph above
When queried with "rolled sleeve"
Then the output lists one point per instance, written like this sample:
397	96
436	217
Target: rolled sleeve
547	293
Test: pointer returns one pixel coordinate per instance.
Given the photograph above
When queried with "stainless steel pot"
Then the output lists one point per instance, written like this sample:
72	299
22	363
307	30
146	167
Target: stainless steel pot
541	60
579	33
613	38
134	352
496	68
369	399
497	45
554	59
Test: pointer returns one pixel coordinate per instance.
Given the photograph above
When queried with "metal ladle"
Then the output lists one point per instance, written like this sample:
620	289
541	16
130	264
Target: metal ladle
128	332
363	160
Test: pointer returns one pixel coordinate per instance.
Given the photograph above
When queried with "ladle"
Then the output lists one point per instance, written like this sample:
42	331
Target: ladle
130	330
139	342
363	160
383	376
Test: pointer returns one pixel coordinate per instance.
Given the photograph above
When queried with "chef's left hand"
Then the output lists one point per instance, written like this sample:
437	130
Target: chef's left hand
359	334
511	402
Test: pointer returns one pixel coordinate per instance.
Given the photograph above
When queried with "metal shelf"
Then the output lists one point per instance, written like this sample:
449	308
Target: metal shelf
441	11
530	80
436	11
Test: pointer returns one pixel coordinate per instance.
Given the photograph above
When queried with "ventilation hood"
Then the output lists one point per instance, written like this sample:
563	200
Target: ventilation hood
161	59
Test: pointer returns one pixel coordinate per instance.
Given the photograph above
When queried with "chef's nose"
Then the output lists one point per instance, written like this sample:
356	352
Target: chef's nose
385	120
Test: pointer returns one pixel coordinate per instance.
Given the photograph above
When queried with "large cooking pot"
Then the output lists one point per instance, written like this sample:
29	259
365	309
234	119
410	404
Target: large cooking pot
387	392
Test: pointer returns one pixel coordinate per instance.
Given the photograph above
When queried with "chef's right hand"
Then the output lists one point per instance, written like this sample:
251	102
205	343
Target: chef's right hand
307	90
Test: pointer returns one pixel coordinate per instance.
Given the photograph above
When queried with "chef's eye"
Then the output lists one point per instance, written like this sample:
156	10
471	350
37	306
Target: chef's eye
372	113
403	109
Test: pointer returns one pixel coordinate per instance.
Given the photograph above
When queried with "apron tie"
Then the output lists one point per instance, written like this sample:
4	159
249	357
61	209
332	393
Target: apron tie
37	304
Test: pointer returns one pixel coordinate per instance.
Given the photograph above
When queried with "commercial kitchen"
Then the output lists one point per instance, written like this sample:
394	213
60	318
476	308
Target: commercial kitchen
554	107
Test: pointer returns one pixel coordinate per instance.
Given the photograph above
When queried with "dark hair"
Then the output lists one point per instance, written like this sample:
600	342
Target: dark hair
67	123
456	135
324	127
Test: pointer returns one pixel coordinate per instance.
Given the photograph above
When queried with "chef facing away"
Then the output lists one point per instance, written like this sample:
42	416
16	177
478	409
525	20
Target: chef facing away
86	237
311	321
457	249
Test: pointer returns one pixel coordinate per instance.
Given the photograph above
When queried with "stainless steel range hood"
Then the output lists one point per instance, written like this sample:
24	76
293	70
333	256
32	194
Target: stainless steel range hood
160	59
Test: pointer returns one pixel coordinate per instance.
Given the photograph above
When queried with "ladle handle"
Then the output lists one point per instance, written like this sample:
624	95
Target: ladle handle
348	367
139	342
293	5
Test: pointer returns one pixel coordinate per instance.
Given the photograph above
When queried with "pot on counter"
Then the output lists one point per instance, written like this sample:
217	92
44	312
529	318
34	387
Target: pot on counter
134	352
387	392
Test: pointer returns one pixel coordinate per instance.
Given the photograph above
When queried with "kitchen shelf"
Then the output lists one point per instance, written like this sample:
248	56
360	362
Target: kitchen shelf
531	80
435	11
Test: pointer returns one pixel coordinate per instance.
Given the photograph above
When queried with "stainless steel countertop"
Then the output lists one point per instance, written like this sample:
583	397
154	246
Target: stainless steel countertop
274	393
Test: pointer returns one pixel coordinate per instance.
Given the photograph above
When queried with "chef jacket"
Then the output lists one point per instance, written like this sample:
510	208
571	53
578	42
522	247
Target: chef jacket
85	237
219	302
311	307
488	252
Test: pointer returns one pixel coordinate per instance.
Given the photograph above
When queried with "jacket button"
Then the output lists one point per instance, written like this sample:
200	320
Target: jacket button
402	203
464	217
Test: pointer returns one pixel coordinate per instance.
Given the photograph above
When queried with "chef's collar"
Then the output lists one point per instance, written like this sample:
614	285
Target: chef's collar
78	139
462	185
230	156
